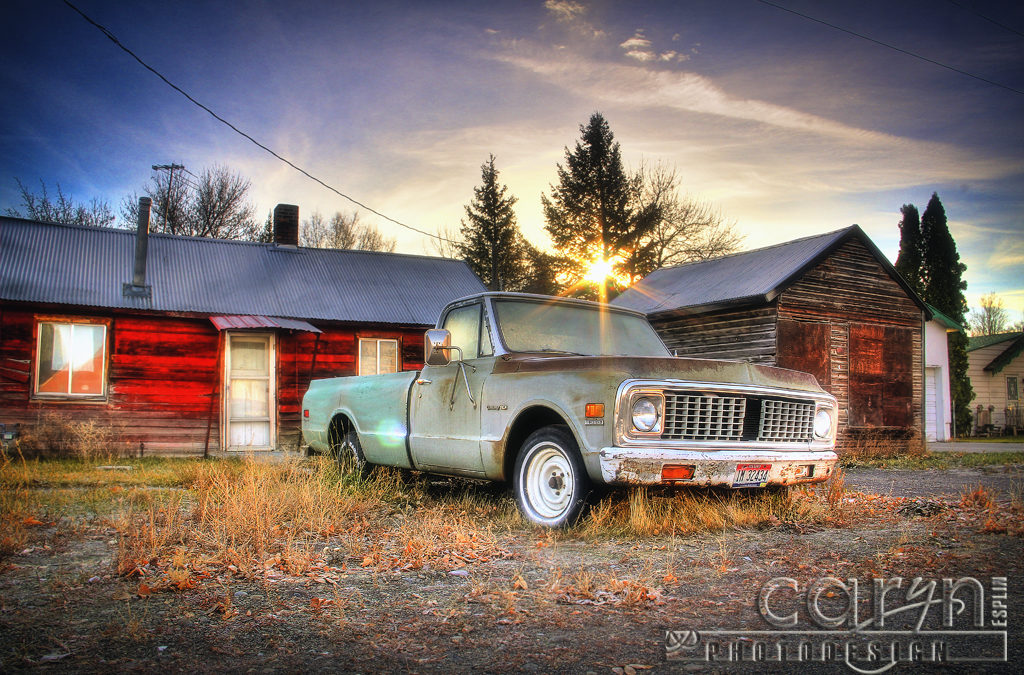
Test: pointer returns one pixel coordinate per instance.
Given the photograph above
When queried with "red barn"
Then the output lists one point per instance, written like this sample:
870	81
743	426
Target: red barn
195	345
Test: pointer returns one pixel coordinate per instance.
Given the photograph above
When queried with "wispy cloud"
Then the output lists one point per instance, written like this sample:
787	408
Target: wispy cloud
639	48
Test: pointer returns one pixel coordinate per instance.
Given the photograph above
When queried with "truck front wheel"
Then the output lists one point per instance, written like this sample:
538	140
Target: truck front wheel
550	482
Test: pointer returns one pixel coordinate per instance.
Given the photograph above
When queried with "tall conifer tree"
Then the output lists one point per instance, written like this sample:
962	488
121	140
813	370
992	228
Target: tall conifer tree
589	214
490	239
942	273
930	263
911	255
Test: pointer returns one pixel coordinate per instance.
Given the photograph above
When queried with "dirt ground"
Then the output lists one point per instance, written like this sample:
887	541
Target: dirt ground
535	603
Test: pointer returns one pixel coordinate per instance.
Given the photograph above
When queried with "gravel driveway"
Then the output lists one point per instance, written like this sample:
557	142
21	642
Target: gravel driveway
1004	481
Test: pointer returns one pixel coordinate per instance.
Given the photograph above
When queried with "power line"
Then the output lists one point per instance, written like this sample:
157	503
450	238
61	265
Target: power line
986	18
113	38
893	47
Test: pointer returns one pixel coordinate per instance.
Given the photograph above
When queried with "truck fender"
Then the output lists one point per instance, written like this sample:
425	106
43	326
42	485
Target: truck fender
530	416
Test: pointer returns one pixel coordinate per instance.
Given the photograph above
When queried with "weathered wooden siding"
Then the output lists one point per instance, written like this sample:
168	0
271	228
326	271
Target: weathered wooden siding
875	347
161	372
165	375
742	334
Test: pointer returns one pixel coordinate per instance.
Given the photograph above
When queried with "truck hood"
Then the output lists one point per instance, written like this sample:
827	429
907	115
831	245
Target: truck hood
663	368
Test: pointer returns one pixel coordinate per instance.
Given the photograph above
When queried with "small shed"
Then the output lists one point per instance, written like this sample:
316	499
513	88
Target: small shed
195	345
938	401
995	365
831	305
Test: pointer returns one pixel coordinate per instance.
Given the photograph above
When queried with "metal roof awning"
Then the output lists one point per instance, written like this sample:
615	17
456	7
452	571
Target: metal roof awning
250	322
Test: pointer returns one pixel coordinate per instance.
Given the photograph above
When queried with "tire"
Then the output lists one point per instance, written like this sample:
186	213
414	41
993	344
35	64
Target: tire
347	451
550	482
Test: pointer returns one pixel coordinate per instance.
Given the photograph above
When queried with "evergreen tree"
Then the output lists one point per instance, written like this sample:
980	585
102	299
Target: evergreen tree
590	215
490	239
944	286
909	262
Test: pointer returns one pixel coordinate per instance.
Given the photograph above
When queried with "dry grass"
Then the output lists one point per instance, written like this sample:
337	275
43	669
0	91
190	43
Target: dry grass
978	498
178	520
653	511
55	435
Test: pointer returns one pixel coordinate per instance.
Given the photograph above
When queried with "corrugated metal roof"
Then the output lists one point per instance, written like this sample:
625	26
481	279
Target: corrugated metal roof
752	276
257	322
70	264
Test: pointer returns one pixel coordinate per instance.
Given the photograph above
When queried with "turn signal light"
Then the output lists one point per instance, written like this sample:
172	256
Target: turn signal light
670	472
305	413
595	410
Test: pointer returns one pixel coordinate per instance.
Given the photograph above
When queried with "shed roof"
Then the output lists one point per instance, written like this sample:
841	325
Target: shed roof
86	266
751	277
951	325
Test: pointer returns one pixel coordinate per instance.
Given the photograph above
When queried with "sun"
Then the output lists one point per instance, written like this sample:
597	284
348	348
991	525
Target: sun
598	270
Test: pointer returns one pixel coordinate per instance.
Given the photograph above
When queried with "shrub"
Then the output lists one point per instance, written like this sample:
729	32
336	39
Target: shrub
55	435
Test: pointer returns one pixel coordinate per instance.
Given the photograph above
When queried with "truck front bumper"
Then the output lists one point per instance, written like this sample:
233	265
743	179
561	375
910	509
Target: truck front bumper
729	468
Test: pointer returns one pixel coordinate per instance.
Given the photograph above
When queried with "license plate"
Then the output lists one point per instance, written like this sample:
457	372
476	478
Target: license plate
751	475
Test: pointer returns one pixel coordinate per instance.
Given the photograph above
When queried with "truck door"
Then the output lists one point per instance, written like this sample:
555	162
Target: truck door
444	411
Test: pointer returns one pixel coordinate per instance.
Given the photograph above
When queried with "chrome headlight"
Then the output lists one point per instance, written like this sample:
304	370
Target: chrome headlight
646	415
822	423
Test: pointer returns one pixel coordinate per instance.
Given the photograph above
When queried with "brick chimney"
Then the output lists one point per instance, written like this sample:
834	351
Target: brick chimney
286	225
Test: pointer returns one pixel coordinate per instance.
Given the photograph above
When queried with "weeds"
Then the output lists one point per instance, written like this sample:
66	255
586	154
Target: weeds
54	435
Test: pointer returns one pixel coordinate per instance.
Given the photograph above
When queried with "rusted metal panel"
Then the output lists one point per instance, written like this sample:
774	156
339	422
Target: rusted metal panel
881	382
805	345
250	322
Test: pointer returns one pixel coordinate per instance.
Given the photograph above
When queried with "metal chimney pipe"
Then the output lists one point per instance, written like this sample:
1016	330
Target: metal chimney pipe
142	242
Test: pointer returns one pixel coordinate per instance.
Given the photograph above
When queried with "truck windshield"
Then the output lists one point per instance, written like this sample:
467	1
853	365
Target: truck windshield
566	328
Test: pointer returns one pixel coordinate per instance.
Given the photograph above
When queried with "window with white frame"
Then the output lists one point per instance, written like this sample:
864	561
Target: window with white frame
71	359
377	356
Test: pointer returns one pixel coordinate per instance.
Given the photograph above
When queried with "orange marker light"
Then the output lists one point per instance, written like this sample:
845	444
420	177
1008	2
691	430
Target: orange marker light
670	472
595	410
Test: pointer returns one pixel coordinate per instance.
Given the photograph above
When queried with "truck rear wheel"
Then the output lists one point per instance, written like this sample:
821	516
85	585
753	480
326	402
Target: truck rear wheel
550	482
347	451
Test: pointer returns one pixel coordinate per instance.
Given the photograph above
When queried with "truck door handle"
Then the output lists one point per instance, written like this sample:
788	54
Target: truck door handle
422	381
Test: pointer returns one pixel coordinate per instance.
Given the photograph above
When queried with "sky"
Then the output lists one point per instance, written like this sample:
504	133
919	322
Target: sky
788	126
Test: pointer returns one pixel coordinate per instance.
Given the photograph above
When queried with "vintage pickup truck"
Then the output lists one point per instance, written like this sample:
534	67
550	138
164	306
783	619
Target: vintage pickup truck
558	395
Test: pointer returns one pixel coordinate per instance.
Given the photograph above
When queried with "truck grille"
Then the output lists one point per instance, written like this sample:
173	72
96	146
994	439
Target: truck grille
786	420
706	416
703	417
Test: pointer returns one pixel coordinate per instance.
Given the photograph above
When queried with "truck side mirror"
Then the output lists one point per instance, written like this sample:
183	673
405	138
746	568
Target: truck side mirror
437	347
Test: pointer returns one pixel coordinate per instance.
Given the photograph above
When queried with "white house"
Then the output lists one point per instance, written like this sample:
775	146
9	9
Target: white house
937	399
995	364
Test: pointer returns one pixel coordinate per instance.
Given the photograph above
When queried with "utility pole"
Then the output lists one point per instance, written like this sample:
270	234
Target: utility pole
170	168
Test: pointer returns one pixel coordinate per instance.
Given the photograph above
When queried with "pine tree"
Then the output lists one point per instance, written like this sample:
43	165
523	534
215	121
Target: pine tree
944	287
490	239
589	215
911	255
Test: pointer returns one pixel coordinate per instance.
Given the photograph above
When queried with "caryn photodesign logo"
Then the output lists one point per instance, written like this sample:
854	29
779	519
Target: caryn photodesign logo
833	621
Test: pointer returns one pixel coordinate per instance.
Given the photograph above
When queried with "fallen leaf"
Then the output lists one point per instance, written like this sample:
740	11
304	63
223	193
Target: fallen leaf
32	522
144	591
